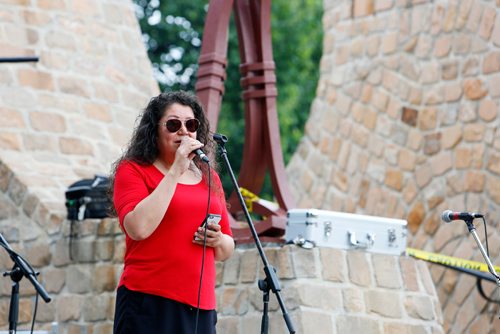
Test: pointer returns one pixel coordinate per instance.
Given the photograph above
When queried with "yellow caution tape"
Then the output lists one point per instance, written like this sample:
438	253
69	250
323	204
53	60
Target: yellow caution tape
449	260
249	198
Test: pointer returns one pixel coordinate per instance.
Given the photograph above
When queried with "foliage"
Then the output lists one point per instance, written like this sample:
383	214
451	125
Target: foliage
173	30
172	33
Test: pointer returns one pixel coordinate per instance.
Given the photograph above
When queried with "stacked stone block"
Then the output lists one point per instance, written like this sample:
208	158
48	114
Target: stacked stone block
327	290
405	124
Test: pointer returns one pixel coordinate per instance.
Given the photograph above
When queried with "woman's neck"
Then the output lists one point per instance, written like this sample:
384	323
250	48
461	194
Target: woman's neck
162	165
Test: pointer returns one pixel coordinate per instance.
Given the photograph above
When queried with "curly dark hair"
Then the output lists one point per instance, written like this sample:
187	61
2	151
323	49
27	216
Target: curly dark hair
143	146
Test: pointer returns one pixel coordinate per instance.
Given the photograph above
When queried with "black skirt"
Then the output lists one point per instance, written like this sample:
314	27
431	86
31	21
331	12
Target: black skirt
142	313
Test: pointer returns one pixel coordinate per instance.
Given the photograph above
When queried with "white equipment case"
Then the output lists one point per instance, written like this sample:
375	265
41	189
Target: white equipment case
312	227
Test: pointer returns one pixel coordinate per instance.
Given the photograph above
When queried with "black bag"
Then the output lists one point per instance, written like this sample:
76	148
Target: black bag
88	198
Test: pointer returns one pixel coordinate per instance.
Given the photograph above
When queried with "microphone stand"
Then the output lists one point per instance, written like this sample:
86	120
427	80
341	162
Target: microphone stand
21	269
271	281
17	59
472	230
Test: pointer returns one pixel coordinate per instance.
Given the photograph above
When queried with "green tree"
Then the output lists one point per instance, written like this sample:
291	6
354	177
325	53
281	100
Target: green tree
297	37
173	32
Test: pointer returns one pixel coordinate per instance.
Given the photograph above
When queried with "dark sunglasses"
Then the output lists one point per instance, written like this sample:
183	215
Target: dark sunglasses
173	125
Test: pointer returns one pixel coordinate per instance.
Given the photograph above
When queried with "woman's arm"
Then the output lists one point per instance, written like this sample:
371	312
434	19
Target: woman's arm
141	222
225	249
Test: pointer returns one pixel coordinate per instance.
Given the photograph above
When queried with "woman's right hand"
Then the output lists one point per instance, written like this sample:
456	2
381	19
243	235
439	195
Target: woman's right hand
184	155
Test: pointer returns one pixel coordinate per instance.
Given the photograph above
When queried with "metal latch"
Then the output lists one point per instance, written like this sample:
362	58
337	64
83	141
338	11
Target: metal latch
302	242
327	229
370	239
392	237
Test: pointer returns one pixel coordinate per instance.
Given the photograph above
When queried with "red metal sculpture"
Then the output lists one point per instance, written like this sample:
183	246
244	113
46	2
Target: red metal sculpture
262	148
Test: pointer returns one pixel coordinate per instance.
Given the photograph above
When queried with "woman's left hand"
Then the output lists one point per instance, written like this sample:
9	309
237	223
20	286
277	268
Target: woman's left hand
214	235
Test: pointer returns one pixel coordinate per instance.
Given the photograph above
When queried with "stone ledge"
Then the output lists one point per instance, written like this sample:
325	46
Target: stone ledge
324	298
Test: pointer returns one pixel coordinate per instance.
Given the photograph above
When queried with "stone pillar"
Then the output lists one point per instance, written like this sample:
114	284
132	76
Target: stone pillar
405	124
64	118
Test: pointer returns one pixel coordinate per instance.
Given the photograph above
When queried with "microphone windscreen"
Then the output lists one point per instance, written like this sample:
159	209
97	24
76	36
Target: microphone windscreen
445	216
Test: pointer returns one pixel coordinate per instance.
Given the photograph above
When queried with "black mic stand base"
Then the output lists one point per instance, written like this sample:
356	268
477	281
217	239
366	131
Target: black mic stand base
21	269
15	275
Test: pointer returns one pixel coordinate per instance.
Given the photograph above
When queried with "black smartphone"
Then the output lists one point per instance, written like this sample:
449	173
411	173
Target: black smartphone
211	219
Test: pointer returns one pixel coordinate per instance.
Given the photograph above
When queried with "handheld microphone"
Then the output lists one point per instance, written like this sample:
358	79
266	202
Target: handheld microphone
449	216
201	155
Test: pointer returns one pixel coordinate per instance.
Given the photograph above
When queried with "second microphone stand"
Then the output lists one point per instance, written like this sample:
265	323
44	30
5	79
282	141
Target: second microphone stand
271	282
472	230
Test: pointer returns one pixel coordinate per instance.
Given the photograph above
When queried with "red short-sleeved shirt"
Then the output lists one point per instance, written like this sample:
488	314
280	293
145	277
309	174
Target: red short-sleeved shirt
167	263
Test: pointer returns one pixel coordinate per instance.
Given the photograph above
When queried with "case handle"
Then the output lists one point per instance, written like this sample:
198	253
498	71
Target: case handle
370	240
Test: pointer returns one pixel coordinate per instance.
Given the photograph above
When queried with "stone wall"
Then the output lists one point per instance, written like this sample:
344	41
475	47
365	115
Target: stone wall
329	291
62	119
405	124
399	128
